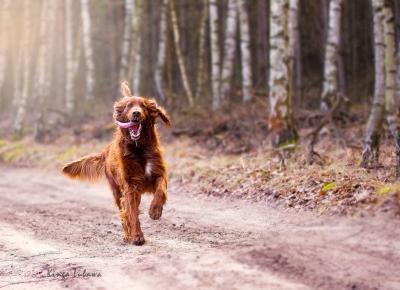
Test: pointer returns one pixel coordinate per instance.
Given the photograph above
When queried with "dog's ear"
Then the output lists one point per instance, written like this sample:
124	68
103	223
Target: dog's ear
119	108
125	91
164	116
158	111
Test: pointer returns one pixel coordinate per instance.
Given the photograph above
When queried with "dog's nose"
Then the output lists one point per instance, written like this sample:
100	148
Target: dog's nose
136	115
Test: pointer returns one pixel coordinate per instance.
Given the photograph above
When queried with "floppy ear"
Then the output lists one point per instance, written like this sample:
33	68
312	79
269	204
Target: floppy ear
125	91
118	109
164	116
158	111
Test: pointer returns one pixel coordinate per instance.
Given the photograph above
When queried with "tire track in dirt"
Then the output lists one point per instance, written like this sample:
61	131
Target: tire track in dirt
199	243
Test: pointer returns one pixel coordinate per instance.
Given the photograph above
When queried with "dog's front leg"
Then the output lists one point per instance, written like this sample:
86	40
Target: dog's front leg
160	197
135	234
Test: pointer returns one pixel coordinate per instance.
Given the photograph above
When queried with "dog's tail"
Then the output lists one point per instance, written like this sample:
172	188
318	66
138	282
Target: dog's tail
89	168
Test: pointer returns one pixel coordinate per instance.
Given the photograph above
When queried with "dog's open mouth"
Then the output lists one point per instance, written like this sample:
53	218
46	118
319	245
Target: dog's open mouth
134	127
135	130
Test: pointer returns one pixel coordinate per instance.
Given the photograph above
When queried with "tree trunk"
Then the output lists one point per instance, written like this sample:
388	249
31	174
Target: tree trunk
294	46
44	66
158	72
374	125
391	105
179	55
229	50
281	121
245	51
330	86
201	73
137	44
127	39
88	49
72	57
26	46
5	23
17	78
397	18
215	54
262	55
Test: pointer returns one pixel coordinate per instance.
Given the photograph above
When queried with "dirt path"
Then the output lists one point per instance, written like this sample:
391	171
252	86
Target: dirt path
52	229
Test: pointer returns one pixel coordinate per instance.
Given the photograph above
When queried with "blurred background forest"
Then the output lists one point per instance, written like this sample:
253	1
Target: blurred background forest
61	62
64	57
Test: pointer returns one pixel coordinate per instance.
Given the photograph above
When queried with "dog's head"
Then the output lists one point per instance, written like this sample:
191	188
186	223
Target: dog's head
135	113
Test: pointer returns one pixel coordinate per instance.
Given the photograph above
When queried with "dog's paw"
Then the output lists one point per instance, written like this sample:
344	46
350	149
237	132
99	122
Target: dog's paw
155	211
136	240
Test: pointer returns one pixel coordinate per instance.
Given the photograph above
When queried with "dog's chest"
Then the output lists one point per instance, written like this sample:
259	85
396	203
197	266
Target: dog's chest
141	166
148	169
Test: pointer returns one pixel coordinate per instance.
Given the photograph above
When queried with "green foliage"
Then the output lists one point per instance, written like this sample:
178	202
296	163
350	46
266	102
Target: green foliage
386	189
328	186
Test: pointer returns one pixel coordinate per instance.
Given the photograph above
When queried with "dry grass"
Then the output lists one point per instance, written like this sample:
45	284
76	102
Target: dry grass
337	185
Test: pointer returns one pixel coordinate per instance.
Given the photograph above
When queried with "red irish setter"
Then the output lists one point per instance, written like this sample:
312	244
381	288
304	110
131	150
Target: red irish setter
133	162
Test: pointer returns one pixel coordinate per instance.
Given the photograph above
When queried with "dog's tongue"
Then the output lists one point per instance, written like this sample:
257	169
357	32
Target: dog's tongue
134	131
135	127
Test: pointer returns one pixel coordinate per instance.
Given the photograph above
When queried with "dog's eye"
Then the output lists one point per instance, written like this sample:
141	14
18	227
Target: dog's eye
130	105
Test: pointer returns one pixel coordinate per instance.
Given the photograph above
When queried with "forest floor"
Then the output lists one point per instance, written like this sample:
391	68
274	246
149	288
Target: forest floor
241	215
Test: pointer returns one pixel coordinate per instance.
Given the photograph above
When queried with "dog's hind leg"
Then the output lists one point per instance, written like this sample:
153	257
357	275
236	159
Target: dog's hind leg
115	190
159	199
119	202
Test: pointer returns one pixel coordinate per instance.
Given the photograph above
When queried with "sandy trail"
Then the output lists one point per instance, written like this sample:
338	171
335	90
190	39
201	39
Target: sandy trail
53	229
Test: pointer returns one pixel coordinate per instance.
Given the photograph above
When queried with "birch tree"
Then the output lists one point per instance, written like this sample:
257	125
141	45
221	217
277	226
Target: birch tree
202	63
294	47
88	49
385	101
137	43
373	133
26	45
17	79
229	50
281	121
215	54
69	52
391	104
72	54
245	50
4	24
262	44
43	69
330	88
127	38
161	51
397	28
181	61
